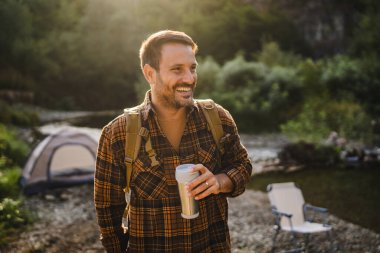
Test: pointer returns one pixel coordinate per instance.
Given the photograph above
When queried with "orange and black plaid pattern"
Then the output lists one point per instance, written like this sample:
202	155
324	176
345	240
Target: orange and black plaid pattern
156	224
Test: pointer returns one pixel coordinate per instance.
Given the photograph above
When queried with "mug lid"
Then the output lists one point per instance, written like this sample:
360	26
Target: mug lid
183	172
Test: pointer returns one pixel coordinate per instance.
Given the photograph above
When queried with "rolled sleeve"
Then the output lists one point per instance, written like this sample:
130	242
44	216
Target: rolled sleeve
109	195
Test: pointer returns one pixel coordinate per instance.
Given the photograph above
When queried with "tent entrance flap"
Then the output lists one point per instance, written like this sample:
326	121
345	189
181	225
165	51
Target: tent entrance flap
71	159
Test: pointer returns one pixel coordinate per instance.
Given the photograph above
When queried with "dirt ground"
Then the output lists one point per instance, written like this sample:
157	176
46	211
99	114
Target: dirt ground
67	223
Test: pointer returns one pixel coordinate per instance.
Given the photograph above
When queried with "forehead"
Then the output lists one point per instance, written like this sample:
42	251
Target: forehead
176	53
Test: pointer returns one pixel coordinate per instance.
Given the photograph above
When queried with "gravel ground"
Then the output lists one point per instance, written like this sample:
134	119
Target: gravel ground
67	224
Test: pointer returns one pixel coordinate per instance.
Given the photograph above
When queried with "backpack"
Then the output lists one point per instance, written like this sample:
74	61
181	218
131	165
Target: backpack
134	133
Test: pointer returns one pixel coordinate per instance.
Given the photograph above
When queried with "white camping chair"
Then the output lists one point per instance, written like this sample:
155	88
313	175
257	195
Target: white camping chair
293	215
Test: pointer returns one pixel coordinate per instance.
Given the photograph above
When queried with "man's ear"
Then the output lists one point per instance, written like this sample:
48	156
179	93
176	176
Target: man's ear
150	74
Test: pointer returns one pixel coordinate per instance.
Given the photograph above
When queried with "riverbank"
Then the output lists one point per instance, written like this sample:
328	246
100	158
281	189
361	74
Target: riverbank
67	223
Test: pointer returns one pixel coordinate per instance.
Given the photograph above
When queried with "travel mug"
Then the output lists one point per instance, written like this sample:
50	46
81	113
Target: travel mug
183	175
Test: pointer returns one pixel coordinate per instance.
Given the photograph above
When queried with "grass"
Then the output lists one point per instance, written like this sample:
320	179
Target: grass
350	194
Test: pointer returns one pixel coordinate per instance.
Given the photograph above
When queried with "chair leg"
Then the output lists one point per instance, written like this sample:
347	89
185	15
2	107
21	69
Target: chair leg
274	240
332	247
306	236
294	241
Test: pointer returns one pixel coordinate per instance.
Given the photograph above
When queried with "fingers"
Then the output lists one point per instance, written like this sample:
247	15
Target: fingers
203	185
208	190
205	174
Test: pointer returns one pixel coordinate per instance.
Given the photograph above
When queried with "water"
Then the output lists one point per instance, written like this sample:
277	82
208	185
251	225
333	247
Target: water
263	147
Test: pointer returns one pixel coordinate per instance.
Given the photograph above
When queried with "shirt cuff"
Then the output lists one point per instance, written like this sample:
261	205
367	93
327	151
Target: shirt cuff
238	181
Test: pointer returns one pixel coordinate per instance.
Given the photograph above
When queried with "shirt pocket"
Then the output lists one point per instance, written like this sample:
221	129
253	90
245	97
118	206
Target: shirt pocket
209	156
148	182
227	142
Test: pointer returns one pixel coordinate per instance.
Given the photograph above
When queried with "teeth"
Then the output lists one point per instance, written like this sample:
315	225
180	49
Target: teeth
183	89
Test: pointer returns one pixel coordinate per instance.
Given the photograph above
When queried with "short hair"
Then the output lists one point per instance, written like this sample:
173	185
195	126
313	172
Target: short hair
150	50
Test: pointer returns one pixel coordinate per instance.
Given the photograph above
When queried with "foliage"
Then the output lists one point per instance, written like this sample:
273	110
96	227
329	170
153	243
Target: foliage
309	154
365	39
141	86
335	100
249	89
13	150
9	182
271	55
13	153
12	218
17	115
43	42
11	215
207	70
319	117
356	77
16	30
84	55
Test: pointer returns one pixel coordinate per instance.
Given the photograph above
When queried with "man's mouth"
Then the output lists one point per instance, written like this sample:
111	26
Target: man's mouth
184	89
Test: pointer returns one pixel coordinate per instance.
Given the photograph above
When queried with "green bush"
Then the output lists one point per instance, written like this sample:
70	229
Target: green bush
207	71
271	55
17	115
257	94
309	154
9	186
238	83
12	150
11	214
13	218
320	117
13	153
356	77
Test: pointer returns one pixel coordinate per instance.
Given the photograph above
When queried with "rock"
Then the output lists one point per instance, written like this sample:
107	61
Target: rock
49	197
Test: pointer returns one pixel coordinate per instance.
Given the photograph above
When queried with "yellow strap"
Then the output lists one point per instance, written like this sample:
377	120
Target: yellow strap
151	152
214	123
132	147
132	142
125	219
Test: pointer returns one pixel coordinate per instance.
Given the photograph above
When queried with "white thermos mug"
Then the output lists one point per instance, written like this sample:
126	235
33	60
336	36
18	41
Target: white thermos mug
183	175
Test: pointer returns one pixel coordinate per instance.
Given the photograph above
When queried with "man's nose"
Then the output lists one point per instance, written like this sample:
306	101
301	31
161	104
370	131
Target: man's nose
189	77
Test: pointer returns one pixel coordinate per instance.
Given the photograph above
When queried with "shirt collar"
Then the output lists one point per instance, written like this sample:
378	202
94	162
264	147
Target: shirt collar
147	106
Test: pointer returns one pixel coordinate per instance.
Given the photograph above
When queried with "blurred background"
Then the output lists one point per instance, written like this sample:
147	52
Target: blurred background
271	63
306	72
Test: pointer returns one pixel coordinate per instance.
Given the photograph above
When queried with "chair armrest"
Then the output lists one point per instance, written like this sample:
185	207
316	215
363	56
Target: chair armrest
315	209
278	215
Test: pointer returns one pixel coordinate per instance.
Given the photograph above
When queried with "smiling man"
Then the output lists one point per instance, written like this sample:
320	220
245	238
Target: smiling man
178	133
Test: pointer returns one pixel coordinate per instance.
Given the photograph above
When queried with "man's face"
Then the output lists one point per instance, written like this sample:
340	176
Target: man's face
177	77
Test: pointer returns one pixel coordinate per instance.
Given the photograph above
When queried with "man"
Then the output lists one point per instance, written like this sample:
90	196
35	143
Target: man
179	134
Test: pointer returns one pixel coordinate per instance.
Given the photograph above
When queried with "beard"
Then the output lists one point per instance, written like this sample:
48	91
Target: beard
171	97
175	100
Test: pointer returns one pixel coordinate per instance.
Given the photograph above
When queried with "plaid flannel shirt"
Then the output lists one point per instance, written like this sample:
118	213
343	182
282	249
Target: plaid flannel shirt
156	224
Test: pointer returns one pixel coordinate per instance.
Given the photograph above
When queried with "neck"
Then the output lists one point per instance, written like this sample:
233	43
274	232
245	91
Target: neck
166	113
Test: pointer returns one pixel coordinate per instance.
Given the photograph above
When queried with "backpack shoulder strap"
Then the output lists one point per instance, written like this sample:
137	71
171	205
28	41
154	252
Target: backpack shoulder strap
213	120
132	141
